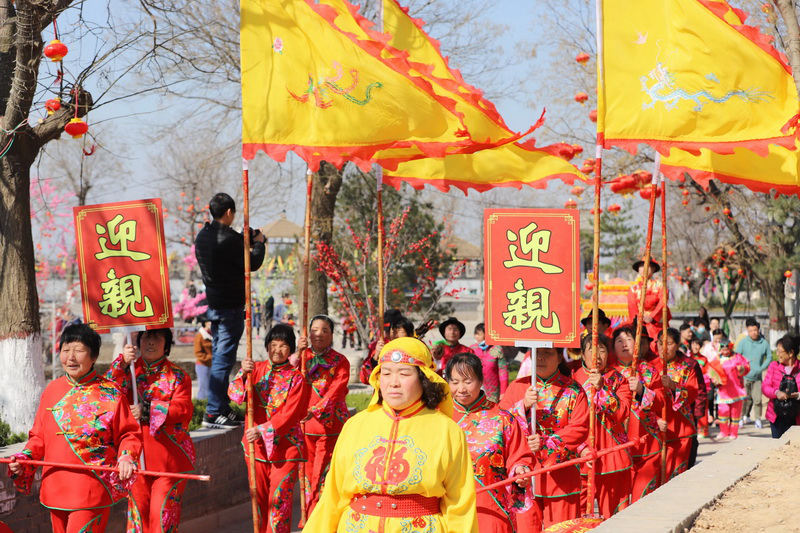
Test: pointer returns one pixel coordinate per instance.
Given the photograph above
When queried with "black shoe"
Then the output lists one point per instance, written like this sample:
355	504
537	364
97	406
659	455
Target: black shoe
234	417
219	422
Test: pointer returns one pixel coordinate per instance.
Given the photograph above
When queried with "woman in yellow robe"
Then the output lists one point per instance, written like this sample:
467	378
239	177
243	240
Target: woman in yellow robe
426	485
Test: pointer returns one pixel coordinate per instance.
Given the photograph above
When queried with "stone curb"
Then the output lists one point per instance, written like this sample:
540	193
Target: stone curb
674	507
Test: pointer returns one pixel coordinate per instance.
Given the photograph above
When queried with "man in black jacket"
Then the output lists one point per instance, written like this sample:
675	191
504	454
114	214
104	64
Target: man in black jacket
220	255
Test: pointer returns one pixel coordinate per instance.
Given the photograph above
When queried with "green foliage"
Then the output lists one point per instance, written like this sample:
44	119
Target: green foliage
7	437
358	400
619	240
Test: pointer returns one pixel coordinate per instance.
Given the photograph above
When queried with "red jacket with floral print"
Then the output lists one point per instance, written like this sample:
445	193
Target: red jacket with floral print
167	445
645	409
612	404
282	402
680	402
328	373
80	422
497	446
562	421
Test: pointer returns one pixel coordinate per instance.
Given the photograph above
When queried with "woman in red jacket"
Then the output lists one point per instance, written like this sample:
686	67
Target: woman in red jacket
497	446
680	391
644	383
164	412
328	372
82	419
562	424
281	402
612	403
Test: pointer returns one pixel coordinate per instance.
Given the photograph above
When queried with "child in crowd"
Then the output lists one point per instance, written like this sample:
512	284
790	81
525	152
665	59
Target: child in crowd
732	394
495	369
202	355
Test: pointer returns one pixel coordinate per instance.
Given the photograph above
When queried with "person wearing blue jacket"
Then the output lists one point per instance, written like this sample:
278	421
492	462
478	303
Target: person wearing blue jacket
755	348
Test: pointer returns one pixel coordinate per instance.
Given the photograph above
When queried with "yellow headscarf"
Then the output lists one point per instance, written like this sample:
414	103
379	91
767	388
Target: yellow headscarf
414	352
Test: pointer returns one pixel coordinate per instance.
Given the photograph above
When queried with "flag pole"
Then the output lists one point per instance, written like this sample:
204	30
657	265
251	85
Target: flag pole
598	185
648	245
304	328
381	281
251	453
665	321
379	194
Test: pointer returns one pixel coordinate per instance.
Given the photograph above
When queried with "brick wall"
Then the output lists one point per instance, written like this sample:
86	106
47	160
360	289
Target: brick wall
219	454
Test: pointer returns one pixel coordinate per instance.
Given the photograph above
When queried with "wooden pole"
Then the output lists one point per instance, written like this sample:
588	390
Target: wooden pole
381	282
100	468
248	324
665	322
648	244
306	263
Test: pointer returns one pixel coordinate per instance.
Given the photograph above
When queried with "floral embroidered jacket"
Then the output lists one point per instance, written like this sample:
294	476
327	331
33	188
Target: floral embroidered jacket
282	402
612	404
328	373
495	370
414	451
680	402
562	421
653	304
645	409
736	366
80	422
497	446
167	445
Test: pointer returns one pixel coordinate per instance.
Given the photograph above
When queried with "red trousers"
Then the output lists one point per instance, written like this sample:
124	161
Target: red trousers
154	504
678	451
275	490
555	510
319	450
81	521
646	471
612	492
729	415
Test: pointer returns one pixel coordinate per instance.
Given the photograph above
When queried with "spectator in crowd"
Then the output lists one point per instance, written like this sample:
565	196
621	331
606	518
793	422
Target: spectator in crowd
220	256
700	328
202	354
494	369
280	310
451	330
686	337
256	312
755	348
781	386
732	394
267	312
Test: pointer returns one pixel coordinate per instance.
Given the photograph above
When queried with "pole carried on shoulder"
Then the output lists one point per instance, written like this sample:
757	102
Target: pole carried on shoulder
304	489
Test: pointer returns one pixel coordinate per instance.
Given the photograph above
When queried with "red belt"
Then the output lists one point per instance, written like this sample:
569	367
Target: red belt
395	506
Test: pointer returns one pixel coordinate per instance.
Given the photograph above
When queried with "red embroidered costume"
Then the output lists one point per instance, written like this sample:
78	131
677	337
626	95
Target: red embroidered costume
680	412
497	446
155	503
562	421
80	422
282	401
653	304
328	373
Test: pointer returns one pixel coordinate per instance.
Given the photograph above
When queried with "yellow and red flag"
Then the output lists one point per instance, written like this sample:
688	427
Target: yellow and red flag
777	171
510	165
318	92
689	74
406	43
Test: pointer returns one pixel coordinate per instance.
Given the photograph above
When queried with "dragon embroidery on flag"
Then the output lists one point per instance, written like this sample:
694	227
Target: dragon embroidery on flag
324	92
667	91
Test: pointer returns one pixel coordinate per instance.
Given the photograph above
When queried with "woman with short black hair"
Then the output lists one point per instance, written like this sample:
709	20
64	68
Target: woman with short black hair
497	445
783	410
164	411
402	464
82	419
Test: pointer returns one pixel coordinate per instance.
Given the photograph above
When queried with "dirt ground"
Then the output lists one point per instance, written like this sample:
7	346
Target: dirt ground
766	500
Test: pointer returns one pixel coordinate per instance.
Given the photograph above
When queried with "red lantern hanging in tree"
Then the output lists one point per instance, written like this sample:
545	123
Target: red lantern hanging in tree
726	212
576	190
76	127
685	192
570	204
581	97
582	58
787	274
716	221
614	209
55	50
593	115
685	202
52	105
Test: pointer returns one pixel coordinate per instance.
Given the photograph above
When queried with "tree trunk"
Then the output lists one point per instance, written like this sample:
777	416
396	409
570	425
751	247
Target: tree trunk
21	364
327	183
789	16
776	303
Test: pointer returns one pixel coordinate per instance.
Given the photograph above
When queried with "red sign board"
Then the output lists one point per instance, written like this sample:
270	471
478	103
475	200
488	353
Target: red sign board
532	269
122	262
